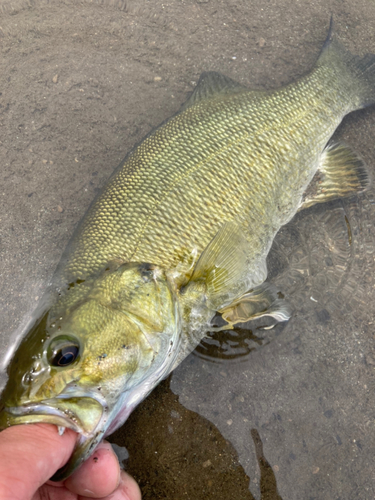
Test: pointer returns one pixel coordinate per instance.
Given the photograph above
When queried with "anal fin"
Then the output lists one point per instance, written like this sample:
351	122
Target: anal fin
263	300
341	174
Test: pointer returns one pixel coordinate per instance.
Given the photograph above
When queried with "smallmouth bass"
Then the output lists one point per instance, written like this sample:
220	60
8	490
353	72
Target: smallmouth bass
181	232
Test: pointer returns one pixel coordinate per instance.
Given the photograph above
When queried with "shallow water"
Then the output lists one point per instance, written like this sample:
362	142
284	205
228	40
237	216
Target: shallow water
81	83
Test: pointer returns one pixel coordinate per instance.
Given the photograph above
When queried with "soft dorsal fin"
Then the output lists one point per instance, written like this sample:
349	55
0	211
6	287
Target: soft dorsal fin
210	84
224	264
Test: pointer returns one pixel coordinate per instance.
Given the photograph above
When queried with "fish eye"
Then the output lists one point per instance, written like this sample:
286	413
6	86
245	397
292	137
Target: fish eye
63	351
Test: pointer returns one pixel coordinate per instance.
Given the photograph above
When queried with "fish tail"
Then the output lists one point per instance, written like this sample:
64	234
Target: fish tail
356	74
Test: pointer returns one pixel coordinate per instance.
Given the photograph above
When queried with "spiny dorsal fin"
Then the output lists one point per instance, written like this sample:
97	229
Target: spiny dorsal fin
342	173
223	264
210	84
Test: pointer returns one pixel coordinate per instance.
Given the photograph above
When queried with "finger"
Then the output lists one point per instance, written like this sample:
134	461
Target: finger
127	489
40	450
99	476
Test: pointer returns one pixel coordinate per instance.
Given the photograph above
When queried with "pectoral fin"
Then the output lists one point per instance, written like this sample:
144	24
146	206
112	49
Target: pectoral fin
341	174
224	265
263	300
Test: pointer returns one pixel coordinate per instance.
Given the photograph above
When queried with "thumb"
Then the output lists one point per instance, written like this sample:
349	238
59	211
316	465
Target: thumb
40	450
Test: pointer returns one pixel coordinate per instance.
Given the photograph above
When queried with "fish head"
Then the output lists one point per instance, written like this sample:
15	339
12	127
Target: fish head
89	360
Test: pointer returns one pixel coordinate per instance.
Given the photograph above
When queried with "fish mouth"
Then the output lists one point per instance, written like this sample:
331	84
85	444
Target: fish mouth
84	415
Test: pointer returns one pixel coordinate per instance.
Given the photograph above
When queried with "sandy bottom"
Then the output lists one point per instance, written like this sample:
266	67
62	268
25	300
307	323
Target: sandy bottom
80	84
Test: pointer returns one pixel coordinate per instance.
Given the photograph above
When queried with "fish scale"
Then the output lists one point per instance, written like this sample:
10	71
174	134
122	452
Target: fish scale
165	200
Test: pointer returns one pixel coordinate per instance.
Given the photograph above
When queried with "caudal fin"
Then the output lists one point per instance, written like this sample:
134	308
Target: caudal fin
357	73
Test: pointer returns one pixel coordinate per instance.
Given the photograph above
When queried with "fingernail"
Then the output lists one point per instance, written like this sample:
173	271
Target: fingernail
104	445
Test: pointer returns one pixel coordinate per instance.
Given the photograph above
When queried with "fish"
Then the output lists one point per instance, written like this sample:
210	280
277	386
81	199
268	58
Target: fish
179	234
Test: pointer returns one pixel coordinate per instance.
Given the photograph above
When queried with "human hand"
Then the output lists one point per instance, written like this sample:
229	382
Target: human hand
31	454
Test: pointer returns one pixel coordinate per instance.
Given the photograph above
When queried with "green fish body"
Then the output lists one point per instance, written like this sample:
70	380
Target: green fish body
181	232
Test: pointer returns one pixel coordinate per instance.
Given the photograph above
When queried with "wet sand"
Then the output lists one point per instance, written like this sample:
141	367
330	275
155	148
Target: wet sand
80	84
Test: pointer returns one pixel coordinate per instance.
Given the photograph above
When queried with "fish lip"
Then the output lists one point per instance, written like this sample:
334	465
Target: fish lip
49	408
60	418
